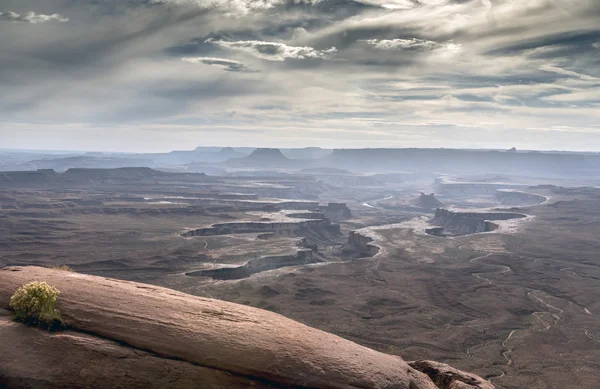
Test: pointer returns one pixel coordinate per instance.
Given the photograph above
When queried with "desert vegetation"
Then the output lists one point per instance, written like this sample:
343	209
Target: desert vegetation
35	304
61	267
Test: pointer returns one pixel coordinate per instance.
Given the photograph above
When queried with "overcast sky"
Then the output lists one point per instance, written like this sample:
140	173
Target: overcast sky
156	75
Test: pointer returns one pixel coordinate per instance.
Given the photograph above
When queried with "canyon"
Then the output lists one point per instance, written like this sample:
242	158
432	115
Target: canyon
486	275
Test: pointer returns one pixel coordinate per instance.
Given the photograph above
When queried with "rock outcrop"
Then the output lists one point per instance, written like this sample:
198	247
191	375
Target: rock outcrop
427	201
358	246
336	211
447	377
73	359
222	337
126	334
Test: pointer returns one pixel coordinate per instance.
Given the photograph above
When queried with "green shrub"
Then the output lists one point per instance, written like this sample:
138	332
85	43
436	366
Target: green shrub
34	304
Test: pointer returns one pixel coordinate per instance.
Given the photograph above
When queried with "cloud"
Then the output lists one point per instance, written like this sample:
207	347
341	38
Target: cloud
568	129
274	51
413	66
242	6
565	72
32	17
390	4
410	44
225	64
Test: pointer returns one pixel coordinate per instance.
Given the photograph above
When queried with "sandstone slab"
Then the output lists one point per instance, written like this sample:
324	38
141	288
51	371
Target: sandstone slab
213	334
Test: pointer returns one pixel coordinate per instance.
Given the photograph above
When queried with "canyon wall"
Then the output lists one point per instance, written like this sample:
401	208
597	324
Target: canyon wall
464	223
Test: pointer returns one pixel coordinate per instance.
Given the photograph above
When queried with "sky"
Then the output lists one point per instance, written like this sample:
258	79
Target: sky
157	75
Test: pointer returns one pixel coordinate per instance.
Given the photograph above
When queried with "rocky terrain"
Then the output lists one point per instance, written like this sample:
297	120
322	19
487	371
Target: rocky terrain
112	342
513	301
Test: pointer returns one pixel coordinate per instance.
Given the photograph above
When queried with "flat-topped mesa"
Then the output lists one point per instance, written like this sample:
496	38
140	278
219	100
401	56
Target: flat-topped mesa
127	334
464	223
336	211
267	154
262	157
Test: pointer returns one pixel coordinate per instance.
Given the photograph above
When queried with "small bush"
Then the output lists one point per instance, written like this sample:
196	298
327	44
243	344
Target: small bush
61	267
34	304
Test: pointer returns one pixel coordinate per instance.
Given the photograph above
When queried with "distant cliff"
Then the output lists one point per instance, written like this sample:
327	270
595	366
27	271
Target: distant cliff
263	158
87	177
463	223
464	161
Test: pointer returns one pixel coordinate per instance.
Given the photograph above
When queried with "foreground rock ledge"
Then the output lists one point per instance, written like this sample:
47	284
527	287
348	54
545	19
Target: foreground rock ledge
138	335
447	377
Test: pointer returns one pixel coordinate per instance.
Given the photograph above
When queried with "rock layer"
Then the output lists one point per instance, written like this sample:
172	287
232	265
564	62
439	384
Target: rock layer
129	335
88	361
301	257
359	245
213	334
447	377
464	223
